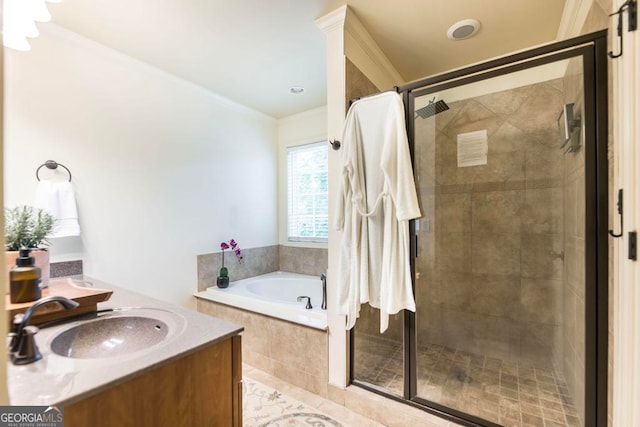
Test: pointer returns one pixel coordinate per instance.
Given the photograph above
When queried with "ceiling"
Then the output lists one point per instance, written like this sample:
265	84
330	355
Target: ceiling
252	51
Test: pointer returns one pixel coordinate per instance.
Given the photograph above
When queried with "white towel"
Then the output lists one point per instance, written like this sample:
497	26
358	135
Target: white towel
58	199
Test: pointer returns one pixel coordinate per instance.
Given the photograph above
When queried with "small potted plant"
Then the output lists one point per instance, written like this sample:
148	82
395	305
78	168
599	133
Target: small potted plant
223	277
26	227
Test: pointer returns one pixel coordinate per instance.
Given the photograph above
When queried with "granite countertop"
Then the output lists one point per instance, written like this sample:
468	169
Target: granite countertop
58	380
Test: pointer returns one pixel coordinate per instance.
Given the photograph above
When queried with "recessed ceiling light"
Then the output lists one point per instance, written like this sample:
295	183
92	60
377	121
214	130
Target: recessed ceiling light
296	90
463	29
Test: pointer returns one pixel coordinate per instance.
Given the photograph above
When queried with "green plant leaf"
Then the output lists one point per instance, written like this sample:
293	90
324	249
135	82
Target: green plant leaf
26	227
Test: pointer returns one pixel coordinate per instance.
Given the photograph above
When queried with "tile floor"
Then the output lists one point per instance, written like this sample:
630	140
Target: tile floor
507	393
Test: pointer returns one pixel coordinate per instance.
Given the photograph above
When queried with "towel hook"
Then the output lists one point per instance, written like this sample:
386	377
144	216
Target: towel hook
335	144
621	213
631	6
52	164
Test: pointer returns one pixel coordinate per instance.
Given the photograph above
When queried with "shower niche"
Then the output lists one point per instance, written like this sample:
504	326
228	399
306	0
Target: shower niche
510	252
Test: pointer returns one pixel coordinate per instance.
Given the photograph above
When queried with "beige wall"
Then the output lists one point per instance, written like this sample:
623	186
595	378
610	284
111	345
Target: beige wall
291	352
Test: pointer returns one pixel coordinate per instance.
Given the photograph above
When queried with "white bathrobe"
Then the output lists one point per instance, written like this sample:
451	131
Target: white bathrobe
377	198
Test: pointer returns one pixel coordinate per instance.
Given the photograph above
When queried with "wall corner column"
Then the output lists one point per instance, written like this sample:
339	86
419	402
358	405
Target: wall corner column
333	27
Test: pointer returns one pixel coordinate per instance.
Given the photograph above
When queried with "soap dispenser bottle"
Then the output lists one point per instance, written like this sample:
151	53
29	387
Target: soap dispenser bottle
25	278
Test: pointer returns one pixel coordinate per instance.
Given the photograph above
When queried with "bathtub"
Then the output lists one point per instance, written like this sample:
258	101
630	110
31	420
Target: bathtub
275	294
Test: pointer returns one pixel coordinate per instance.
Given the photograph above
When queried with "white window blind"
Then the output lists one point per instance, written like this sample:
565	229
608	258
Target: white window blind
307	193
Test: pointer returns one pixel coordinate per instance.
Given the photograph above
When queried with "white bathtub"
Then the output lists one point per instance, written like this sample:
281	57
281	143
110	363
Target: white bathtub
275	294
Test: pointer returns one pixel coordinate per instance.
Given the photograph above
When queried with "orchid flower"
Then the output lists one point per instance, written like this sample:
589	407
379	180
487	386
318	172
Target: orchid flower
231	244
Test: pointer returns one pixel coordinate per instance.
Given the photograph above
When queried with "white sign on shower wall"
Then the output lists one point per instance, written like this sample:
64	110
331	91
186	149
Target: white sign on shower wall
472	148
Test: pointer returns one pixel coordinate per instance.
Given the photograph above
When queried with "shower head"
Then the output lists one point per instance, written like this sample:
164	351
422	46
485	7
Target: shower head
432	108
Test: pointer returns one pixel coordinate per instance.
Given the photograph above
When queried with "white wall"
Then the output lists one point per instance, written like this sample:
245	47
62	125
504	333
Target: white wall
299	129
626	272
163	170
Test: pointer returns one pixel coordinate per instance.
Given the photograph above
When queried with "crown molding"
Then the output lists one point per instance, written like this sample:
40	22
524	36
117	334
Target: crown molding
359	34
573	18
360	46
332	20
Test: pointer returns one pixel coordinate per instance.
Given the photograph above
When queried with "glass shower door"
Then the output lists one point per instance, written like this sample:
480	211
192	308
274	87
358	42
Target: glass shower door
500	267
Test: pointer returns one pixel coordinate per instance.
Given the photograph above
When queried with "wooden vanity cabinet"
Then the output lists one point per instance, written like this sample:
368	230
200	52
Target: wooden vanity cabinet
203	388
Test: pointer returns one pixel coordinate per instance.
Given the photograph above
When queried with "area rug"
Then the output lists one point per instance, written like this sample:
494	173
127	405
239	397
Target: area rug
264	406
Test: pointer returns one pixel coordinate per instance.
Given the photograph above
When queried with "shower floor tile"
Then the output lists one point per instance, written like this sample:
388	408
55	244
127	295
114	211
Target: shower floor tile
503	392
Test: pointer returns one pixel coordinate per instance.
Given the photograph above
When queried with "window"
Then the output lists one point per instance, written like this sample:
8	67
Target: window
307	200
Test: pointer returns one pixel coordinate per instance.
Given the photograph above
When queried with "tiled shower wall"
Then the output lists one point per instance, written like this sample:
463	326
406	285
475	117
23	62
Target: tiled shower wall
257	261
490	255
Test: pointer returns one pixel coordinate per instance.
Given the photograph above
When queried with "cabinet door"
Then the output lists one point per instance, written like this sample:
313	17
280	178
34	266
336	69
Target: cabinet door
200	389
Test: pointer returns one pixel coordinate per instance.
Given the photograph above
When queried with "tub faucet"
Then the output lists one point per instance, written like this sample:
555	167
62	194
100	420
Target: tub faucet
308	306
23	348
323	277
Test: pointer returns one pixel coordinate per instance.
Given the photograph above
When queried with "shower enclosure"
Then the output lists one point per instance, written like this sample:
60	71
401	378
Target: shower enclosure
509	256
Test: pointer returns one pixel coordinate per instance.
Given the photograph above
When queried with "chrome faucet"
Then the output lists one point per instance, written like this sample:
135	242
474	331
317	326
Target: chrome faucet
323	278
23	348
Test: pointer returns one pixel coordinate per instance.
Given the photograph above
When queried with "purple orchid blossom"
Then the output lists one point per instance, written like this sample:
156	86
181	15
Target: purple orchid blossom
234	246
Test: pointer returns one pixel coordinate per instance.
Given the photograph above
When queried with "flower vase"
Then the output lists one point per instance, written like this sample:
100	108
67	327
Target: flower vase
222	282
223	278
